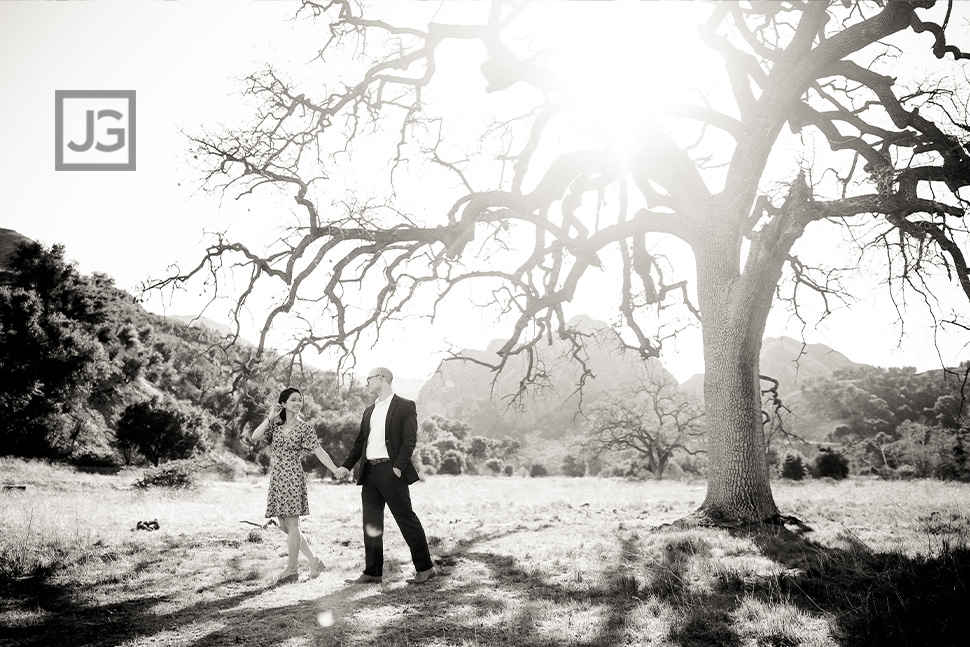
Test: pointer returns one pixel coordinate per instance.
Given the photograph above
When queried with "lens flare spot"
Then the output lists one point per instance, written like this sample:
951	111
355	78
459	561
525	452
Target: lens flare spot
325	618
373	531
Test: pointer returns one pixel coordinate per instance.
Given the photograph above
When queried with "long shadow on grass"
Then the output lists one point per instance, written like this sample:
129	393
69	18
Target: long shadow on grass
512	603
876	598
66	622
441	611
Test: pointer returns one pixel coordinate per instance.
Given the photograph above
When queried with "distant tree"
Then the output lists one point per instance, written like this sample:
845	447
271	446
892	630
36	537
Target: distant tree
572	466
446	443
159	432
458	429
948	409
874	454
44	271
538	470
477	447
337	433
810	130
955	463
504	449
656	420
829	463
793	467
429	458
869	400
452	462
49	356
918	446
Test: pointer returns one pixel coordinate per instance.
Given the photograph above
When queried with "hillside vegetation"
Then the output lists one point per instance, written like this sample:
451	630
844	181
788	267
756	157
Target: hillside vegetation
93	379
78	353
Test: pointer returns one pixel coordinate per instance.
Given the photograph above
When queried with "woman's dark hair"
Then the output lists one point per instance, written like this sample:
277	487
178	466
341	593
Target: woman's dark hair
284	396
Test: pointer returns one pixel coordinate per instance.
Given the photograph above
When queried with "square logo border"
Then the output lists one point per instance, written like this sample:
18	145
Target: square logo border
59	96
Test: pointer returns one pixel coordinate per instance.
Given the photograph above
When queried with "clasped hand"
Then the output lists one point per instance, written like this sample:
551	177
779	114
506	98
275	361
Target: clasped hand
343	474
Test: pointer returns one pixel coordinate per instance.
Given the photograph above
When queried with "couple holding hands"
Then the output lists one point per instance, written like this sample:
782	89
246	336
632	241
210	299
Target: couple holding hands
388	435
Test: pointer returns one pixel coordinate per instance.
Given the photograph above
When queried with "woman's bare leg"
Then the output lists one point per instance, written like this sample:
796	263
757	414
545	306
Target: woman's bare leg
291	526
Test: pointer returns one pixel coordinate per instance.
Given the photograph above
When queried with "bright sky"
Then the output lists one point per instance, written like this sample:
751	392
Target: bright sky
184	60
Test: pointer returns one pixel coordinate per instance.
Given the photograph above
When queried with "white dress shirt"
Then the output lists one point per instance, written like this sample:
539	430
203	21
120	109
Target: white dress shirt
377	441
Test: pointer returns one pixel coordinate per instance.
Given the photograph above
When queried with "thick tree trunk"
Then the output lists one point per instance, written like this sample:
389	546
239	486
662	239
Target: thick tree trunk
737	474
734	311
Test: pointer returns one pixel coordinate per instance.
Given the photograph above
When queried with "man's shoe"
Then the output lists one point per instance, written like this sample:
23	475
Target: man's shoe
423	576
364	578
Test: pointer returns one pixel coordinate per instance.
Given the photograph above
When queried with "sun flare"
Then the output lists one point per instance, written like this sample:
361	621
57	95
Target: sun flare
626	61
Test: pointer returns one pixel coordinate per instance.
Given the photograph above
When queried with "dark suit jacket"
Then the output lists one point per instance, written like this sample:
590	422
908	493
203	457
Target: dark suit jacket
400	435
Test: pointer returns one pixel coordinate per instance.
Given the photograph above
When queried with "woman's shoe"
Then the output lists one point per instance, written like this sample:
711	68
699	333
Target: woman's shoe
288	576
316	566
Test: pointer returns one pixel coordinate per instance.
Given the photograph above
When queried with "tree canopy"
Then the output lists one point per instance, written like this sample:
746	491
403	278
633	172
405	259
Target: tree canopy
810	131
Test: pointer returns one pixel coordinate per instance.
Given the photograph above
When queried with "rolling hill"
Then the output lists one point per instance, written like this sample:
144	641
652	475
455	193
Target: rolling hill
465	390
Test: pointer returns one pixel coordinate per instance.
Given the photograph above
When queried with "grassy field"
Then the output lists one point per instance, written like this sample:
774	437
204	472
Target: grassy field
551	561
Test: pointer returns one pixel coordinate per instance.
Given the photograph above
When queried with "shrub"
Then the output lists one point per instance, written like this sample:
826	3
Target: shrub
538	469
227	467
508	470
904	473
429	458
477	447
572	466
830	464
97	462
180	474
793	467
494	465
447	443
161	431
452	462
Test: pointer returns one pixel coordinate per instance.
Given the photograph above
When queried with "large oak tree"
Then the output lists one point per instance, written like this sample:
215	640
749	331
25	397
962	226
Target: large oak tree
808	130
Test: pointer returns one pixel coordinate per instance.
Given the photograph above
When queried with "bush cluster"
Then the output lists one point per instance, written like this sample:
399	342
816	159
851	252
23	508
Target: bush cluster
830	464
793	467
177	474
448	447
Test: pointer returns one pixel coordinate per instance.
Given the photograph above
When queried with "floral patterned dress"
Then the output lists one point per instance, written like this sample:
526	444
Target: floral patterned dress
287	483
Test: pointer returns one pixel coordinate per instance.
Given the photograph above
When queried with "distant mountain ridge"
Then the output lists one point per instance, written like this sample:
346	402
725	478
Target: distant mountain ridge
790	362
464	391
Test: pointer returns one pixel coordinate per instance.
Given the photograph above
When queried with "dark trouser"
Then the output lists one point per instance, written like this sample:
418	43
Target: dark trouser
380	486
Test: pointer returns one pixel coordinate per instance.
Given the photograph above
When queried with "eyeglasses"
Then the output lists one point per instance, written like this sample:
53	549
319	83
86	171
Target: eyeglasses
371	377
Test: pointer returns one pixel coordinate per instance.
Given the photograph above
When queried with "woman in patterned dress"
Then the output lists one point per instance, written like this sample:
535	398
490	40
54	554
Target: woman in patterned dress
287	498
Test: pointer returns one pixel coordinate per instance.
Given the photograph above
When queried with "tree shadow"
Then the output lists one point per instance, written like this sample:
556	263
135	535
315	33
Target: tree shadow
875	598
510	589
517	594
865	597
66	621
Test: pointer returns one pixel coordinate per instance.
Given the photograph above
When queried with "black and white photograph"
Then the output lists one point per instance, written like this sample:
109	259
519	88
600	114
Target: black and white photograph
475	323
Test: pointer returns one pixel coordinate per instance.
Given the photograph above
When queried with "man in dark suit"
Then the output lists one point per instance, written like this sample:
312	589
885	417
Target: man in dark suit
388	434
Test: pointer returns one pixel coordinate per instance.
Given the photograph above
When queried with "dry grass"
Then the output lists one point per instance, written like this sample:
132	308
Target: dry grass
524	562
